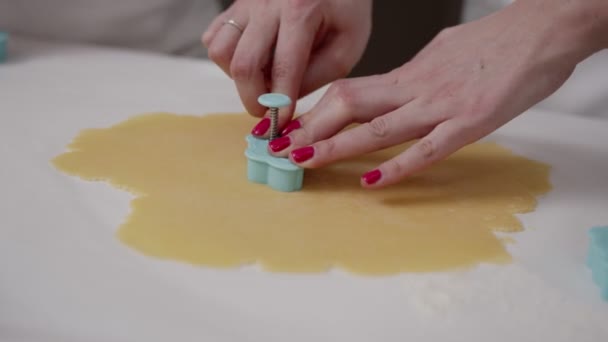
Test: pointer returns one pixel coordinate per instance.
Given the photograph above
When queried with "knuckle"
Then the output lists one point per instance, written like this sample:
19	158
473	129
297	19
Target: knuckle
219	54
378	127
302	136
298	4
440	39
327	147
242	69
280	69
344	95
307	133
478	115
301	10
394	167
426	148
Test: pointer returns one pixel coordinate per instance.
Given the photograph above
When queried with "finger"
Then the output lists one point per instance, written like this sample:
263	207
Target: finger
247	68
213	29
346	102
401	125
339	107
222	48
445	139
298	28
334	60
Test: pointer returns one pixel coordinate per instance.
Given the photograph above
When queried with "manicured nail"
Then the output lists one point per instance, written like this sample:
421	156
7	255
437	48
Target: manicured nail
303	154
261	128
293	125
279	144
372	177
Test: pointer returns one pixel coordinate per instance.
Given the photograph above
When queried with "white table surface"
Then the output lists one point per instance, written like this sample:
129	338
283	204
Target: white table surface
65	277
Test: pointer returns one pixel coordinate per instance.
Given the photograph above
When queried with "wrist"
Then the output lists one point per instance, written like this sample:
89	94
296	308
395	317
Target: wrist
580	26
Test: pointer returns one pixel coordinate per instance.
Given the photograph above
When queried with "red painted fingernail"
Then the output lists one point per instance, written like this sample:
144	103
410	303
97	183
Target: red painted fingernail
372	177
293	125
279	144
262	127
303	154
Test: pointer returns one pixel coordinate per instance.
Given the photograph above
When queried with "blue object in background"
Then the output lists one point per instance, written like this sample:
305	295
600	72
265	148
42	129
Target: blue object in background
279	173
3	44
597	258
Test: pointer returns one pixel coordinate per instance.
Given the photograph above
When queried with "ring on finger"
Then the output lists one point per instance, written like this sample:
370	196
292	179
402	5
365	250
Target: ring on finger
234	24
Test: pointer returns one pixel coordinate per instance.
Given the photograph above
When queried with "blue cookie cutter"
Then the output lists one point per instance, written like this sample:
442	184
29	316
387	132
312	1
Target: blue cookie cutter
279	173
597	258
3	44
264	168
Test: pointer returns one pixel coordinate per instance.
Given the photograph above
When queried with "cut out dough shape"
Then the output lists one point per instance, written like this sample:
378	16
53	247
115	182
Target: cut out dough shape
194	202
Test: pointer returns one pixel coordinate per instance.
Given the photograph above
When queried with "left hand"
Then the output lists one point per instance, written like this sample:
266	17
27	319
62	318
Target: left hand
470	80
288	46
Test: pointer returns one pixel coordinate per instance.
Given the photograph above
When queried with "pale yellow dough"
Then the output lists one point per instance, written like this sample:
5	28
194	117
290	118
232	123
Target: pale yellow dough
194	203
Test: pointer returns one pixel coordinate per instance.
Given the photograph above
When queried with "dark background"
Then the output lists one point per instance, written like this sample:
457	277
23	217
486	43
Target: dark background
400	30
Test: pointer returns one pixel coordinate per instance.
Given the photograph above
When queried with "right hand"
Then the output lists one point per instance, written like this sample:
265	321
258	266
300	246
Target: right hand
469	81
288	46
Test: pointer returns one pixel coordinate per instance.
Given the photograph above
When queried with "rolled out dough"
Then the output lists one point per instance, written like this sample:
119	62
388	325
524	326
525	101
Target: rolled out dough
194	204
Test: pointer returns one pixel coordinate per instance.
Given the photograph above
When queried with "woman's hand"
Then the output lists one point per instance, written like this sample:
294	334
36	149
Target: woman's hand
288	46
470	80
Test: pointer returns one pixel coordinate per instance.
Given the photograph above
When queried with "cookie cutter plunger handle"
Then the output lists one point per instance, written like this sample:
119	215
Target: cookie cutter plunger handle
274	101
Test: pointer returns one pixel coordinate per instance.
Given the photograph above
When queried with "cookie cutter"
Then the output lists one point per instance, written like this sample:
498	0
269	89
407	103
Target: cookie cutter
262	167
278	173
